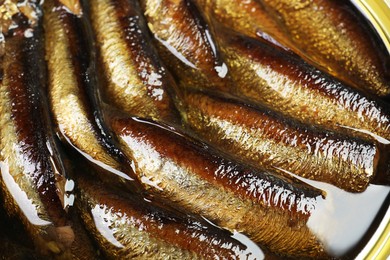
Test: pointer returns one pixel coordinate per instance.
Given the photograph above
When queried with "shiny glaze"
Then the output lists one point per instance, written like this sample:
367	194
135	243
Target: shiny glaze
263	139
74	111
185	43
330	35
272	211
247	17
290	86
136	81
107	210
132	227
28	173
66	55
259	72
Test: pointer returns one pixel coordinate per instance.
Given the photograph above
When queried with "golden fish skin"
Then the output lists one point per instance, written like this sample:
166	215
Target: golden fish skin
232	196
286	84
70	90
28	175
136	81
263	139
139	229
329	34
65	56
247	17
185	43
259	72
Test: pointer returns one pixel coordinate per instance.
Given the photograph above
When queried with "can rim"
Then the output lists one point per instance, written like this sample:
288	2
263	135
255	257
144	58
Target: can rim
378	14
378	247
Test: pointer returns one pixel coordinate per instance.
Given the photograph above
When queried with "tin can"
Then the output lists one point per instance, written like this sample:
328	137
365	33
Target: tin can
378	14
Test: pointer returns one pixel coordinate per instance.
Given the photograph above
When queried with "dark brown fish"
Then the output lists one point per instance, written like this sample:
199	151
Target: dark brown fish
11	250
288	85
328	34
136	81
185	44
28	172
264	139
272	211
257	71
132	227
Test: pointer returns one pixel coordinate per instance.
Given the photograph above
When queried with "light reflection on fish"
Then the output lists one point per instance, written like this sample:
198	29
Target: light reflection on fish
185	43
29	172
328	34
258	72
136	81
263	139
131	227
271	210
288	85
71	85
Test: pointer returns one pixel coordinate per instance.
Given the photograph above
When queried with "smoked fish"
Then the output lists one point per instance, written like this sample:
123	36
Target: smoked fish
71	87
271	210
127	227
246	17
185	43
30	176
257	71
328	34
135	80
286	84
265	139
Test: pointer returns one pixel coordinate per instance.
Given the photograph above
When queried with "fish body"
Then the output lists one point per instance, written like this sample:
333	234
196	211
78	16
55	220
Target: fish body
331	36
67	55
28	174
73	107
258	71
246	17
132	227
264	139
185	43
136	81
283	82
271	210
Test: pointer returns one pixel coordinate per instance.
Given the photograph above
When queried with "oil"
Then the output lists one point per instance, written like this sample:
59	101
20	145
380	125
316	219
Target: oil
341	220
